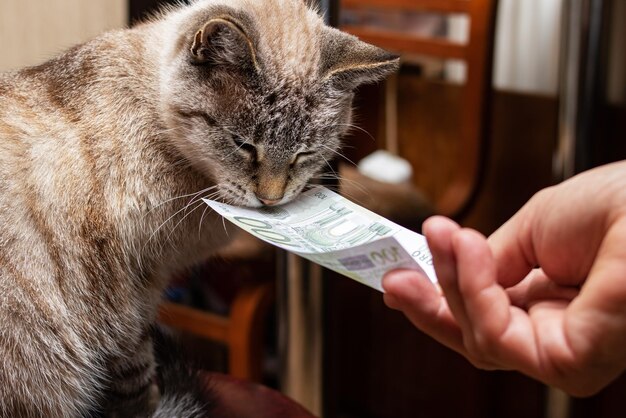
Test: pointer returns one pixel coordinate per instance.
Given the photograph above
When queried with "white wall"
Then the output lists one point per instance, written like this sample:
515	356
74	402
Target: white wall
527	49
528	41
528	44
32	31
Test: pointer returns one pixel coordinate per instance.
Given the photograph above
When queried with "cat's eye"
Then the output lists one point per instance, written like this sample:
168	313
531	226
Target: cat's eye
302	156
243	145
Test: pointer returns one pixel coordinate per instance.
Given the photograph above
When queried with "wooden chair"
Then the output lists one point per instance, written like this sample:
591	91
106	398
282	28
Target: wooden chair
241	331
477	54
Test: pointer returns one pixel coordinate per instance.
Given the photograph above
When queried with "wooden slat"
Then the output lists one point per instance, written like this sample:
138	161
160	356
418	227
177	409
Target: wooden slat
247	320
407	44
475	116
443	6
199	323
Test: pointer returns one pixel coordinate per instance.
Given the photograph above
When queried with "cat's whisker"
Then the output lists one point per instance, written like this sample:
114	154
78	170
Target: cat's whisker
180	197
229	201
343	179
192	201
164	223
213	195
239	147
329	165
181	162
339	154
202	219
224	225
337	188
358	128
184	217
349	196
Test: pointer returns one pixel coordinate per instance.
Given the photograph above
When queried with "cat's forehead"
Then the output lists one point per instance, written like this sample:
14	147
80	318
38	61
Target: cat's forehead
286	34
290	38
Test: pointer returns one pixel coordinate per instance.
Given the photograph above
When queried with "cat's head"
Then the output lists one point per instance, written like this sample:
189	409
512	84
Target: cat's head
258	96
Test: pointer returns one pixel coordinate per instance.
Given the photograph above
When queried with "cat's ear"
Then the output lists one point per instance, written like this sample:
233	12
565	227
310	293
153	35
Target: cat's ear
348	62
222	41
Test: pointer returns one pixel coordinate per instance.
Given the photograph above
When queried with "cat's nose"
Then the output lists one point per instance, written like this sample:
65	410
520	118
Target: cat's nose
270	202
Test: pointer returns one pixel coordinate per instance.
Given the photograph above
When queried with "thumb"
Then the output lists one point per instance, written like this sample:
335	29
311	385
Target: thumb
512	249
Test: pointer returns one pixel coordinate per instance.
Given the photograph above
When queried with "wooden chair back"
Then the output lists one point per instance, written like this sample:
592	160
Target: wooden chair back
476	53
241	331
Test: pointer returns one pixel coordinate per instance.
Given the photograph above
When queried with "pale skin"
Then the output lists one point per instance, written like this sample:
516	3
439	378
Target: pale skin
544	295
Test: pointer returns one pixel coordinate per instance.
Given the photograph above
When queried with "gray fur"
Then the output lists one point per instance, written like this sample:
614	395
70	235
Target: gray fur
97	149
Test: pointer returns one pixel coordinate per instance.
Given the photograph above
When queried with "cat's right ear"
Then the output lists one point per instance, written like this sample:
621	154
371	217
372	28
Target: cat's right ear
223	42
348	62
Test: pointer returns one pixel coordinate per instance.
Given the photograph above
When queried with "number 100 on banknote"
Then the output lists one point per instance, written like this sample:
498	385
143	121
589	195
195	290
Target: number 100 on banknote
336	233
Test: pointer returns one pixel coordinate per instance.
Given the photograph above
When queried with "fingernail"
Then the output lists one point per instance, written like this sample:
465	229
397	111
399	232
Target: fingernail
389	278
391	281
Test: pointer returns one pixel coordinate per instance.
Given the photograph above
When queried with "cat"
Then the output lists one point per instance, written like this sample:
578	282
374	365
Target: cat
105	152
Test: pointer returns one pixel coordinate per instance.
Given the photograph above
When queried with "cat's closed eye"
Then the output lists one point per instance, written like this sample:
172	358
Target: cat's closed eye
244	145
302	157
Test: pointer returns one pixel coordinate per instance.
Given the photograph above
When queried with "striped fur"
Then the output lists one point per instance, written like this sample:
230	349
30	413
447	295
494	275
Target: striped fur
104	154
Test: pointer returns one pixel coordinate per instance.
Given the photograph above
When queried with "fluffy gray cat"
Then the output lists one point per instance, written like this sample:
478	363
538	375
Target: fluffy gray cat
101	150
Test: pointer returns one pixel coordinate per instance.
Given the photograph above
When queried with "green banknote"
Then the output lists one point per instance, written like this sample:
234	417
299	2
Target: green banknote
332	231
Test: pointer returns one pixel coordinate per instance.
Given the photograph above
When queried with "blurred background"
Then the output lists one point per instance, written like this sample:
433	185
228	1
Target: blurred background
494	101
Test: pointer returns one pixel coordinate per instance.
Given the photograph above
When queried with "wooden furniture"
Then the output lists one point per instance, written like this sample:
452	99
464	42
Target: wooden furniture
241	331
476	53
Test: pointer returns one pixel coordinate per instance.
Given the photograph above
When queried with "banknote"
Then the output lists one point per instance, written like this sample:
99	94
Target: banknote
330	230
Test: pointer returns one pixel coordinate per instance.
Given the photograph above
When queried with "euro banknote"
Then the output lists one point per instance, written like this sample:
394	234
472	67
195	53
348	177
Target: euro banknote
330	230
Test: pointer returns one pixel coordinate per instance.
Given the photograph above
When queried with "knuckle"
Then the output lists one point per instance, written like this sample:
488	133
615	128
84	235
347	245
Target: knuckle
483	362
486	345
481	353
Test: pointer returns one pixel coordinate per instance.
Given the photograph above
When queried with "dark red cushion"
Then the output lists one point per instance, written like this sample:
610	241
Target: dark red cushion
239	399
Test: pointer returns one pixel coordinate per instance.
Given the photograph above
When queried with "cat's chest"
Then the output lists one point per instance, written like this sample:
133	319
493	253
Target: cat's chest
156	255
186	237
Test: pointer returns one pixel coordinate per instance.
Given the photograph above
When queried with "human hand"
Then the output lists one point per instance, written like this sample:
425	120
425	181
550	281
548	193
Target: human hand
563	323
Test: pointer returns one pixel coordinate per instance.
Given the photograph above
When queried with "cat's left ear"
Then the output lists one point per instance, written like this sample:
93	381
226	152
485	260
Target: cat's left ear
348	62
223	41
